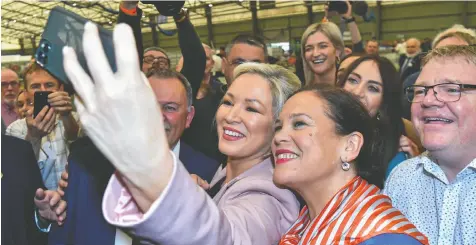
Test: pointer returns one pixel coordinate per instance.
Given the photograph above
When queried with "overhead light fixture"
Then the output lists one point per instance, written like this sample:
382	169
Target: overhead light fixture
240	0
14	21
34	15
110	22
210	5
74	4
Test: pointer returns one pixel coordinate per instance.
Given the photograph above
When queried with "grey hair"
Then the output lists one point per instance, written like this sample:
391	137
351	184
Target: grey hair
466	34
331	31
468	53
166	74
156	49
283	82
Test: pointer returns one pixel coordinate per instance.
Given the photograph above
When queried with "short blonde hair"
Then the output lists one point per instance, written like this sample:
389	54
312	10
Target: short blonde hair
331	31
283	82
468	53
459	31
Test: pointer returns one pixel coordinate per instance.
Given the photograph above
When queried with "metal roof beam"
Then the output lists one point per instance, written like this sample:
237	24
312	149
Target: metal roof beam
22	22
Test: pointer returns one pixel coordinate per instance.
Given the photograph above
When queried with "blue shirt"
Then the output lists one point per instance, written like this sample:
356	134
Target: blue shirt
444	211
396	160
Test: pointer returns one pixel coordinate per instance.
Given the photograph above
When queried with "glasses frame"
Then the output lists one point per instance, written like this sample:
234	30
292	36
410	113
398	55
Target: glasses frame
14	84
427	88
156	59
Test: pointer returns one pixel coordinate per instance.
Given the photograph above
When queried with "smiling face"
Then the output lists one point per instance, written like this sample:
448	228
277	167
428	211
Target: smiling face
306	147
320	53
245	118
446	126
23	104
366	83
172	98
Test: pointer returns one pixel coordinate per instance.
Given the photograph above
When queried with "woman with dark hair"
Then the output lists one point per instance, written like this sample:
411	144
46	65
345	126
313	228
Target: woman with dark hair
375	81
324	150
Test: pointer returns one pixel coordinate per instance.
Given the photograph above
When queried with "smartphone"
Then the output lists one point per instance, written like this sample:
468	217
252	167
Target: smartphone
65	28
40	101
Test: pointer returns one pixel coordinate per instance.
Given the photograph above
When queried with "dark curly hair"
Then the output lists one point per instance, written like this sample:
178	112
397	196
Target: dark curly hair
388	122
350	115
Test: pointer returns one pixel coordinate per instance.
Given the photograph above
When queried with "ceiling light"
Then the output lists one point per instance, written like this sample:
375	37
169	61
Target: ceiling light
14	21
240	0
74	4
110	22
210	5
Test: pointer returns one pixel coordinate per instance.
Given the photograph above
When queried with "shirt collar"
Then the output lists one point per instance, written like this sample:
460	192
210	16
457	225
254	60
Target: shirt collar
176	149
434	169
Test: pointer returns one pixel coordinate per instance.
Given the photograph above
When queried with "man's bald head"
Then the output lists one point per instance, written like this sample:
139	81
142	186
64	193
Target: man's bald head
413	46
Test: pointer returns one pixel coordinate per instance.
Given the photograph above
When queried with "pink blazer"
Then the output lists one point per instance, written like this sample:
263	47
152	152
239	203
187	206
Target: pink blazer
248	210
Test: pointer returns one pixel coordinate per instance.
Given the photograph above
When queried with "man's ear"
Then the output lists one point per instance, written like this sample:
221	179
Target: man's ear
190	115
352	145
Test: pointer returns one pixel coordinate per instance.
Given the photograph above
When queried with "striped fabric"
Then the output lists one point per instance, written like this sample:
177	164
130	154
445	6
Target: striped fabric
356	213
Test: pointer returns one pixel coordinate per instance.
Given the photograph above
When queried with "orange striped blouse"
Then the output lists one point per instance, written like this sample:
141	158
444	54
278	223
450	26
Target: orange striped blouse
356	213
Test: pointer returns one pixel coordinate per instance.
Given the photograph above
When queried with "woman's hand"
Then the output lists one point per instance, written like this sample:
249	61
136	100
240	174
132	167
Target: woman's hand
120	113
407	145
200	182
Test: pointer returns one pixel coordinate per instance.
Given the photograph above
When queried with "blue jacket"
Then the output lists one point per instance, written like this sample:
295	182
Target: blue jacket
89	173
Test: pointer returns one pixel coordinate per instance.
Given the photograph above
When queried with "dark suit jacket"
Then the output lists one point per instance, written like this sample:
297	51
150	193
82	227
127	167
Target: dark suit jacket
89	173
21	177
412	67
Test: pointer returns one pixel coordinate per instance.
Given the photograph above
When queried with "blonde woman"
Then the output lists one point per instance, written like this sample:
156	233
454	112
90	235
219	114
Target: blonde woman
321	48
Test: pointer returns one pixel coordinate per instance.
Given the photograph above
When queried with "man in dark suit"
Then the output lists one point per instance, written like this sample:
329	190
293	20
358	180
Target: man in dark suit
23	193
410	61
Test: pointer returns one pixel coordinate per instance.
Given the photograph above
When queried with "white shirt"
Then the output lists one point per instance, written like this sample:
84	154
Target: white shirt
121	237
51	153
445	212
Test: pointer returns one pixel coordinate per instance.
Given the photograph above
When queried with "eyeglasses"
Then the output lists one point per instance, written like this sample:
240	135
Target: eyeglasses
445	92
14	84
151	59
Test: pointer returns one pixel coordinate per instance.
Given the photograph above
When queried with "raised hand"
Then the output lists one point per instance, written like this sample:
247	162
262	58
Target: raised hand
42	124
120	113
61	102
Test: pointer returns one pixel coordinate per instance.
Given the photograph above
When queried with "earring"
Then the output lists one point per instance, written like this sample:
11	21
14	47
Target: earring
345	165
378	116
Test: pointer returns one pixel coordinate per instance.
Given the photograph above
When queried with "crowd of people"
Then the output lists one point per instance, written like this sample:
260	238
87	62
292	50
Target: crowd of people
346	149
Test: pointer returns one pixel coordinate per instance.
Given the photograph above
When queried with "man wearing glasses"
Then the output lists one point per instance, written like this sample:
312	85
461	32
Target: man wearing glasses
10	90
437	190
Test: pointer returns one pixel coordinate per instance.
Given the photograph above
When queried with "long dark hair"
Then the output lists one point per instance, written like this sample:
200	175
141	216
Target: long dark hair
388	121
350	115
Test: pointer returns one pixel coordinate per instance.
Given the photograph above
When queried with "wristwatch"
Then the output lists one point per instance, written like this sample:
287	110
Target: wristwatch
349	20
